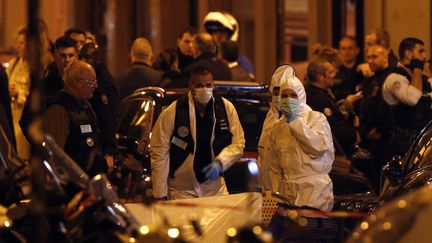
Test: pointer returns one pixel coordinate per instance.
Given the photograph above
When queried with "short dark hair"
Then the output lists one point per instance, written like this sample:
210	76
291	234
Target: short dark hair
200	70
70	31
229	50
64	42
204	43
315	68
189	30
165	59
408	44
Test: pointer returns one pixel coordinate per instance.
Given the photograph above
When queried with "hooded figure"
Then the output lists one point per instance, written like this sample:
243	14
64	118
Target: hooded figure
300	149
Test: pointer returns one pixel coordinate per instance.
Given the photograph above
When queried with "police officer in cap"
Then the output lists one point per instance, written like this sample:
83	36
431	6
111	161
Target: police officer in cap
71	121
193	141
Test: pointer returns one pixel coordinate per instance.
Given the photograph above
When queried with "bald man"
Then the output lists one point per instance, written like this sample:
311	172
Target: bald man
205	56
140	74
71	121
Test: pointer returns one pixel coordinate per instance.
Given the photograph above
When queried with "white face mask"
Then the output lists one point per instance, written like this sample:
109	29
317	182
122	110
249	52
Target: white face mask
203	95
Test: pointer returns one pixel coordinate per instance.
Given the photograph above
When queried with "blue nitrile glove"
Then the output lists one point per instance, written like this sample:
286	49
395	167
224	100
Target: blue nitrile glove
213	170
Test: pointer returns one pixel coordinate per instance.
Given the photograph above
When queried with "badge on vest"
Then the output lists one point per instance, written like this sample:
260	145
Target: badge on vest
179	143
104	99
86	128
183	131
90	142
223	124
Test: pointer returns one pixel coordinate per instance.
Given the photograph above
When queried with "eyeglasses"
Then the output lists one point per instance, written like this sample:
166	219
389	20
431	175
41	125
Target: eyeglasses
90	82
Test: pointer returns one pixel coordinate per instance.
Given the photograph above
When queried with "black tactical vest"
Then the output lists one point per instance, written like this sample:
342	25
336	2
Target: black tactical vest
182	143
83	143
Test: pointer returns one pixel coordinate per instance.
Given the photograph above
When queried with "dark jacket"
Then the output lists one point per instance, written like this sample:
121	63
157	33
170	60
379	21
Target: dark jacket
138	76
105	103
5	107
183	60
320	100
219	69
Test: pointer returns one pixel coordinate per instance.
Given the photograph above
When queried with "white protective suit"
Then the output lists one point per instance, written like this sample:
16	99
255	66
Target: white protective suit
184	184
281	73
301	154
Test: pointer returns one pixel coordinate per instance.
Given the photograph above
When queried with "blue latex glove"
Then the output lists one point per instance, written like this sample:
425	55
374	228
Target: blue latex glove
213	170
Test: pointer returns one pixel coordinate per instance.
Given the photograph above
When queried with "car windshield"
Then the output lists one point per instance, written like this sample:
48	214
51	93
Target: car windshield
420	154
136	120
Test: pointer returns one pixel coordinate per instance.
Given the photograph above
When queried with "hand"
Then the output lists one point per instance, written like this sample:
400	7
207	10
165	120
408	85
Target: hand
110	162
213	170
291	117
365	70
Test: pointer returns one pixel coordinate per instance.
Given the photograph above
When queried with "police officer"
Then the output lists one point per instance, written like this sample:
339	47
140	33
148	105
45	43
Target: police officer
105	100
321	74
408	93
193	141
70	120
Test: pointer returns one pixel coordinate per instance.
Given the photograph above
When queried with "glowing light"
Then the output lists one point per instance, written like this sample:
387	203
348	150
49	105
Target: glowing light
7	224
144	229
364	225
253	167
231	232
43	144
147	179
303	222
257	230
402	204
132	240
292	214
98	177
173	233
387	226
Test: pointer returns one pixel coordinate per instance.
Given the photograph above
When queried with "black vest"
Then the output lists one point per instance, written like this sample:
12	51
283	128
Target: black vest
182	143
83	143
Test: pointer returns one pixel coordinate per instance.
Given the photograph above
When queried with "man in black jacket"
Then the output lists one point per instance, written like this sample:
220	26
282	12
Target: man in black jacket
140	74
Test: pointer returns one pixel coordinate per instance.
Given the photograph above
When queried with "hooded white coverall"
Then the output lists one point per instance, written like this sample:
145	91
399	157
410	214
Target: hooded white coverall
184	184
280	74
301	154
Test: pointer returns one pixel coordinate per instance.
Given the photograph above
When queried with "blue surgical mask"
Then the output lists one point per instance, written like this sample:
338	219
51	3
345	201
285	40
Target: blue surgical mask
276	101
288	106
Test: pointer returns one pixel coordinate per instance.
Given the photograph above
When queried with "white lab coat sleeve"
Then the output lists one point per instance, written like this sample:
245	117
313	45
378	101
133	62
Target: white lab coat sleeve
160	144
233	152
263	144
401	89
313	133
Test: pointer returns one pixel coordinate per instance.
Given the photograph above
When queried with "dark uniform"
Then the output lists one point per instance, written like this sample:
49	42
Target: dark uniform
342	129
347	82
217	68
105	102
5	107
73	125
183	60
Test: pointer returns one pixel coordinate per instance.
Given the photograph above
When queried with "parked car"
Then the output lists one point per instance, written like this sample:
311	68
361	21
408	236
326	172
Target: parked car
139	112
400	175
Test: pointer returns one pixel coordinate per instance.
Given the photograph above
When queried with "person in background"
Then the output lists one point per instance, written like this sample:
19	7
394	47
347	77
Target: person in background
19	88
229	53
185	47
348	80
205	55
194	141
167	62
140	74
301	150
223	26
78	35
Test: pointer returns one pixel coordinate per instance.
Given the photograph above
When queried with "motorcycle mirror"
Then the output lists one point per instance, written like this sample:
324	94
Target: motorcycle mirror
392	171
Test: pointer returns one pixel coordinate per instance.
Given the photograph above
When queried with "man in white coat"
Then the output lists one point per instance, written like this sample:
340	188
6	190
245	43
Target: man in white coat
194	141
301	150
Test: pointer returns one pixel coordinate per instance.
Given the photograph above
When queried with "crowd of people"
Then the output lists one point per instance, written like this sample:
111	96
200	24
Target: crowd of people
344	105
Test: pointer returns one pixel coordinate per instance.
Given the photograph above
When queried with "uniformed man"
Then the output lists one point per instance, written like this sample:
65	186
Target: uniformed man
408	93
193	141
321	75
70	120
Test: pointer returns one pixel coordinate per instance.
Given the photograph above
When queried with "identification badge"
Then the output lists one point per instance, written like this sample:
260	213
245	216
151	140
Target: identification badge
90	142
86	128
179	143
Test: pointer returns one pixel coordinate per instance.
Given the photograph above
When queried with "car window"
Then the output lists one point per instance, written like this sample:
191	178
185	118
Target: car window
420	154
136	120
